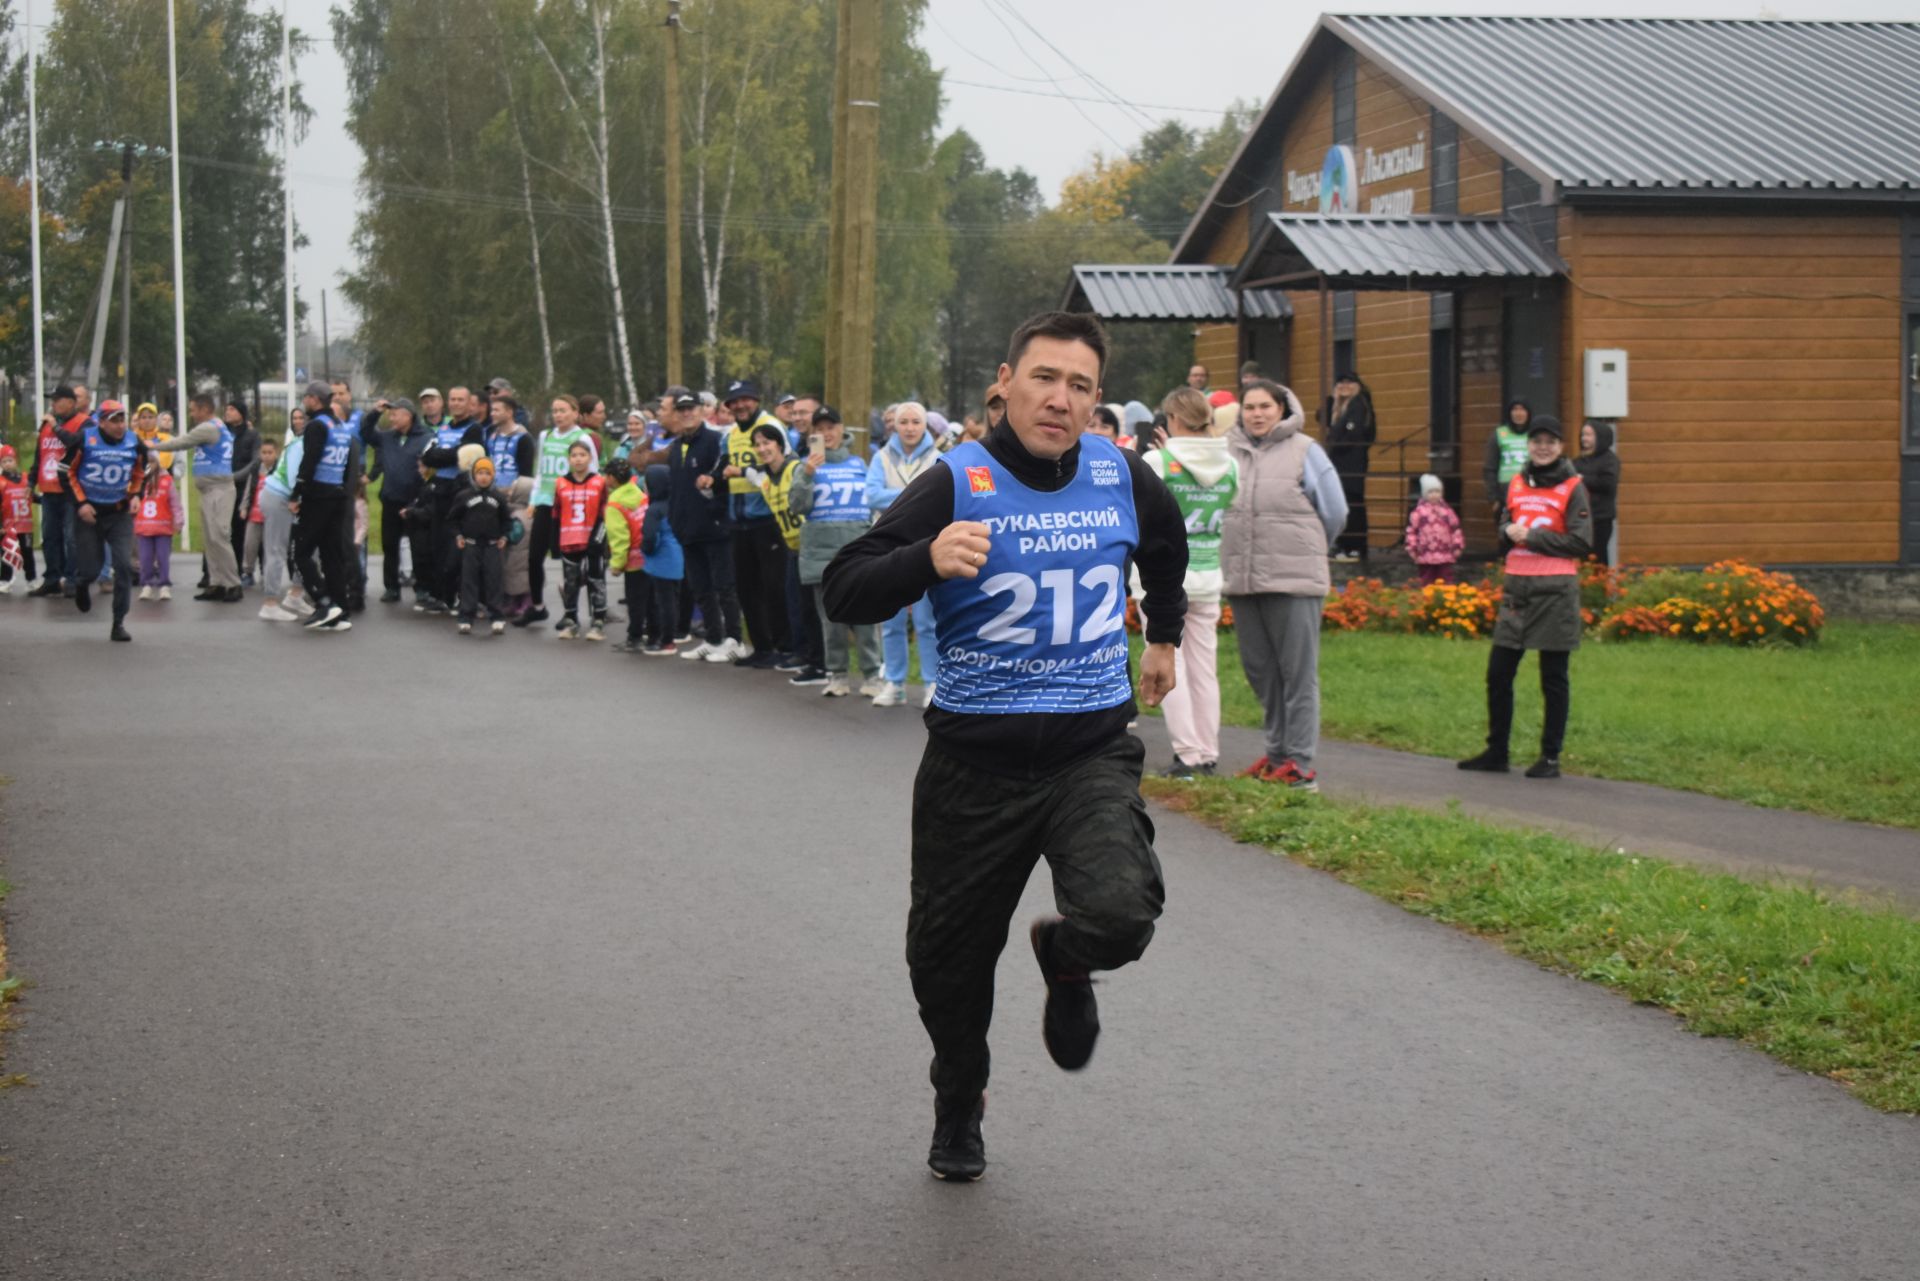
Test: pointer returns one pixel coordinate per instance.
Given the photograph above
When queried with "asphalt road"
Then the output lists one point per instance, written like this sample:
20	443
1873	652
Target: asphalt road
398	955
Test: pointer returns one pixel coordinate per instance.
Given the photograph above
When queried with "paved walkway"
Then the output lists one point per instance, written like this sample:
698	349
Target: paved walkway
397	955
1881	862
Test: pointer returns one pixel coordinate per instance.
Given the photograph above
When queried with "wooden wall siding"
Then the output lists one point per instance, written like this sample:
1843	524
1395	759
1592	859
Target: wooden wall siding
1218	348
1760	427
1480	181
1304	145
1392	346
1304	353
1230	243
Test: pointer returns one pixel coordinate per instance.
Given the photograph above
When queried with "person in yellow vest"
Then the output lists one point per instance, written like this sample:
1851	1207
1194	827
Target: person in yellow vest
757	545
1549	531
1506	454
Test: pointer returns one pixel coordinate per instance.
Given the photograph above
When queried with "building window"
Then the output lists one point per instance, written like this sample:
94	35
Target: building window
1446	164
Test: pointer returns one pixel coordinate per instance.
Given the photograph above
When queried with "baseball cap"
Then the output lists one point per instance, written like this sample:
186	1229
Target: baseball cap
1220	398
706	398
431	391
787	399
112	409
320	391
741	389
62	392
499	384
1547	424
826	414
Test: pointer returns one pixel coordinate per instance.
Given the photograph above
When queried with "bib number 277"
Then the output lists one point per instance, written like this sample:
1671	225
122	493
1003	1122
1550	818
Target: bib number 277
1108	614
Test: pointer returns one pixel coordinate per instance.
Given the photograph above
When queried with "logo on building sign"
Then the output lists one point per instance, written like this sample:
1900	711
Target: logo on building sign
1339	182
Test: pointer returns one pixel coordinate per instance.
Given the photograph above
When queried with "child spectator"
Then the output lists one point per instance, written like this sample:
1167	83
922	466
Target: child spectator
16	519
665	566
626	521
519	577
579	509
1433	533
255	542
480	526
157	517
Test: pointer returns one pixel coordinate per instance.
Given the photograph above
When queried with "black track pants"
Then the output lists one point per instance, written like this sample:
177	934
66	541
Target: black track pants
976	837
1555	687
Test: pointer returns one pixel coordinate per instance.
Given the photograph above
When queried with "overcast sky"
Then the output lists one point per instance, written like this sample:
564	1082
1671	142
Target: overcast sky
1185	61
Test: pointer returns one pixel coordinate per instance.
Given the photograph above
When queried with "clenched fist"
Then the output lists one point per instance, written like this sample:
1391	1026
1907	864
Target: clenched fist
961	549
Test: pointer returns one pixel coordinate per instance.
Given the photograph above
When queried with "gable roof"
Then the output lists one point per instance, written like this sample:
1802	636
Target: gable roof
1610	105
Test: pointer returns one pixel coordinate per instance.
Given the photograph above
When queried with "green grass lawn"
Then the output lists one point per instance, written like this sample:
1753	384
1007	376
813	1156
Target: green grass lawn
1831	729
1826	986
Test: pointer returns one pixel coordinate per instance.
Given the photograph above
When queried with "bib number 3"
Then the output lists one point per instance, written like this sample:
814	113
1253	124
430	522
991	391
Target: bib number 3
1107	616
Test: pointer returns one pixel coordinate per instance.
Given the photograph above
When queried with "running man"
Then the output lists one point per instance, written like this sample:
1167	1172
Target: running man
1021	540
109	462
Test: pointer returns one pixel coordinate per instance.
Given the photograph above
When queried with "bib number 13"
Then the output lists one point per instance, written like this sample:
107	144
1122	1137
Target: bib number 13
1108	615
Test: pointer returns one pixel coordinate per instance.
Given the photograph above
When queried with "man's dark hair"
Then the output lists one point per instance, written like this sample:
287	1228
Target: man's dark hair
1251	369
1073	326
588	403
200	400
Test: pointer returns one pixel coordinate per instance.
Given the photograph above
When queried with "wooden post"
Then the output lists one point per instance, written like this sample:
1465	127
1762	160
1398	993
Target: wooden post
837	199
675	370
860	237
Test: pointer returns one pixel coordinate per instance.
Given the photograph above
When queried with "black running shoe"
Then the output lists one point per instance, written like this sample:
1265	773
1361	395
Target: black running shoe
1545	767
324	616
83	597
388	597
1488	762
119	633
1071	1023
959	1153
809	676
790	663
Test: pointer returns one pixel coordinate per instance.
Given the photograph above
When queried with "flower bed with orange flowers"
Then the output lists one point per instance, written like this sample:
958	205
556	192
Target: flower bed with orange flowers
1729	603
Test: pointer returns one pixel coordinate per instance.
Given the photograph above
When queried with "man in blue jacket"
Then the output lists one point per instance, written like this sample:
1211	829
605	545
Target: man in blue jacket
399	439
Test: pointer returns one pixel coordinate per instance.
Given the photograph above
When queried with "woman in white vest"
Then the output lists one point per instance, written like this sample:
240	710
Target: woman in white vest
1287	510
1203	477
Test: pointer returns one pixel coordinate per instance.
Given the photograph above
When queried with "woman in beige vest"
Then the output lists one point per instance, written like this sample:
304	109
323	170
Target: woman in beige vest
1273	561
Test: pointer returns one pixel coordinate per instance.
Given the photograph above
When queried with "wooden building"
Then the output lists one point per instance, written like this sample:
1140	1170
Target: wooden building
1466	209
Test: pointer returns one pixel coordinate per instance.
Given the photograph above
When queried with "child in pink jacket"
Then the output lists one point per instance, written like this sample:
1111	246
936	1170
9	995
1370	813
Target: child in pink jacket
1434	539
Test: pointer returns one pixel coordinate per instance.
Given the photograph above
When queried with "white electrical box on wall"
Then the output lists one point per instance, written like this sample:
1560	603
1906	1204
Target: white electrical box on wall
1606	382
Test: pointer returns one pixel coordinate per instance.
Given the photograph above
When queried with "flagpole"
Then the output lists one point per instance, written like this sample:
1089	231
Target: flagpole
286	185
33	179
179	257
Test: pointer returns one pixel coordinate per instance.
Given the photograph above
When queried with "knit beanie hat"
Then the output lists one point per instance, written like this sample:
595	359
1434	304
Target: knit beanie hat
482	470
1430	484
469	454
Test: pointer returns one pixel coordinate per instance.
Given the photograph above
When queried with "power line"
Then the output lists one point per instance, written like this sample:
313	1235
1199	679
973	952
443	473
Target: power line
1042	93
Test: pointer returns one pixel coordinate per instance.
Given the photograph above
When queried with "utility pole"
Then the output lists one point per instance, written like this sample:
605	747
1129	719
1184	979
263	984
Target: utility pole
326	343
837	198
675	373
105	307
859	42
123	384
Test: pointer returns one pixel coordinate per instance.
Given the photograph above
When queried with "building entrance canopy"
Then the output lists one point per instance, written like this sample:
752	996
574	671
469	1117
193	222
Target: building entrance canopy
1147	291
1424	252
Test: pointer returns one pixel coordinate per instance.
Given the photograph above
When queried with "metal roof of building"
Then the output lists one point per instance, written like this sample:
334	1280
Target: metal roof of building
1157	291
1671	104
1357	251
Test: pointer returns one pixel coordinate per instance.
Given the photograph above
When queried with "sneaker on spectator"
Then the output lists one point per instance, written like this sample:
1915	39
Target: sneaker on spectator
498	627
871	687
890	695
1290	773
596	631
727	650
809	676
465	628
166	593
789	663
688	639
661	649
699	649
274	612
838	686
298	605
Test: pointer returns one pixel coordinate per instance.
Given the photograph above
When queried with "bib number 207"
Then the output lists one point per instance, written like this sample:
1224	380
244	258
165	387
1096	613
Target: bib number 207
1108	615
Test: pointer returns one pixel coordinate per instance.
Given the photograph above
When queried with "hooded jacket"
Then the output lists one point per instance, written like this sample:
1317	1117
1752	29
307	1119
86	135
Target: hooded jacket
1600	472
1208	461
698	517
664	557
893	469
1289	508
478	515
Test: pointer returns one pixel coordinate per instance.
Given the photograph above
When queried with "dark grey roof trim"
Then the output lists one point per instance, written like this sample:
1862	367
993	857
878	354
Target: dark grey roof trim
1157	291
1391	252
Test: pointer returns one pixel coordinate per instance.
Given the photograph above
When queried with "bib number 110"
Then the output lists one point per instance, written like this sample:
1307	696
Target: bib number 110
1108	617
